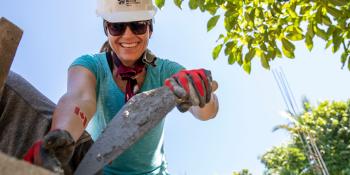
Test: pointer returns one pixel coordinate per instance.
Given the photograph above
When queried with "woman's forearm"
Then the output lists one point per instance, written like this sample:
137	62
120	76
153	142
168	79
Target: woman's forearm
73	114
209	111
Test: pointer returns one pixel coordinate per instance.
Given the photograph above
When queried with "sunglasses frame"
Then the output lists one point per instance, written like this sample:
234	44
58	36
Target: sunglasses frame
133	26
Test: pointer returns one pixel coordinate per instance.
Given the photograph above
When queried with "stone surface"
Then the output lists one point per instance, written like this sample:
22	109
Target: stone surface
10	36
13	166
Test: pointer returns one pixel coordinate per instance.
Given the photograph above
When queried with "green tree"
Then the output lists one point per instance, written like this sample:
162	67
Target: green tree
243	172
267	29
328	125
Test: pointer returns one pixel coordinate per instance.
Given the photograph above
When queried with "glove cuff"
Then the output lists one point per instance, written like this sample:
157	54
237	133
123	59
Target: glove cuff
33	152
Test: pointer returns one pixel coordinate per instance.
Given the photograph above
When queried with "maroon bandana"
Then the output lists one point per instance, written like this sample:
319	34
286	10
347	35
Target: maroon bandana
128	74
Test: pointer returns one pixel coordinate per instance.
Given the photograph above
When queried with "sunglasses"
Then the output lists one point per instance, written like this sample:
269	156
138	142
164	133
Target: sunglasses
137	27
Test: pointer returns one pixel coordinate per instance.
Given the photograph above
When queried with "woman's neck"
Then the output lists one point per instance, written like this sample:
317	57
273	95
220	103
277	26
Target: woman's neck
130	64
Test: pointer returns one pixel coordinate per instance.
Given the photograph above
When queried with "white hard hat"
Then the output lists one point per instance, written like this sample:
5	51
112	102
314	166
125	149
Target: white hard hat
125	10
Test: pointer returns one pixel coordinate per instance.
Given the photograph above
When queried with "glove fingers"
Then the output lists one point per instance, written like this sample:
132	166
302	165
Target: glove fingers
183	81
207	79
197	90
192	88
178	91
59	143
183	107
50	162
195	98
58	138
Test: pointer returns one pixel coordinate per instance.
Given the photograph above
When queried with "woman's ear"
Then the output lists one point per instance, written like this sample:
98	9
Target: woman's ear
105	27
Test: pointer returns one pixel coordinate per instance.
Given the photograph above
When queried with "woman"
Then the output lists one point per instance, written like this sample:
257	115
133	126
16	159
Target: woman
100	84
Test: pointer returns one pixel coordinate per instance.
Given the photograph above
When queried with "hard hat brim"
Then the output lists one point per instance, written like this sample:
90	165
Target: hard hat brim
128	16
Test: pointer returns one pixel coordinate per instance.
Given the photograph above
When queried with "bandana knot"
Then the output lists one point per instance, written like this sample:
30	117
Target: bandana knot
129	74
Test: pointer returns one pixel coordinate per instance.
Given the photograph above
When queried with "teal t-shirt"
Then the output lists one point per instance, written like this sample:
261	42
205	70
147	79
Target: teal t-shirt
146	157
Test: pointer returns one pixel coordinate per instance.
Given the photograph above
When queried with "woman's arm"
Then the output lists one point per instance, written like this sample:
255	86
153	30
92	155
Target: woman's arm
209	111
77	106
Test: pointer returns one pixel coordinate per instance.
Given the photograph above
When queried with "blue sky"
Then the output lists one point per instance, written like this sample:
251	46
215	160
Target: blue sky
56	32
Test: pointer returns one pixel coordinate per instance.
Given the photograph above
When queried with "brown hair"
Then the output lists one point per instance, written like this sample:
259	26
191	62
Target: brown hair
106	47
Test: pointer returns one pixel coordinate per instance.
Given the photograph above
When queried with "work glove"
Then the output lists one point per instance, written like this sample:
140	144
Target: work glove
53	152
191	87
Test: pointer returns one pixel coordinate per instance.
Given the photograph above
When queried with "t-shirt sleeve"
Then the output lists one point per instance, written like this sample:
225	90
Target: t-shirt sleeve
170	68
87	61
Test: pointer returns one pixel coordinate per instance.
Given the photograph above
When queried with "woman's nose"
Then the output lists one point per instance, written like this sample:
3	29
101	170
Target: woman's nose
128	32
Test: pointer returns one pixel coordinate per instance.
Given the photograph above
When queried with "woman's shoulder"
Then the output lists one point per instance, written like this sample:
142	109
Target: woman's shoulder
89	59
93	62
167	68
97	56
165	63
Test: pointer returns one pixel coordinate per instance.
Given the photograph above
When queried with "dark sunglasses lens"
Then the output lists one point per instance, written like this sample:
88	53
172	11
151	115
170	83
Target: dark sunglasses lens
139	28
116	29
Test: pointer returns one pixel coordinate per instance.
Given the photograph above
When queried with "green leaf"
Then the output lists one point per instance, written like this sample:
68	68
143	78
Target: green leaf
318	16
239	53
321	33
228	47
338	2
211	8
247	17
292	13
310	30
221	36
334	12
336	43
193	4
239	60
337	39
160	3
247	67
264	62
217	51
278	52
309	43
326	20
349	63
288	45
178	3
271	53
344	56
231	59
212	22
329	42
330	30
305	9
201	5
287	53
263	46
248	56
228	23
295	36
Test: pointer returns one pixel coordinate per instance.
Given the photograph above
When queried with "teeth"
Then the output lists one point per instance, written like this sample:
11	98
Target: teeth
128	45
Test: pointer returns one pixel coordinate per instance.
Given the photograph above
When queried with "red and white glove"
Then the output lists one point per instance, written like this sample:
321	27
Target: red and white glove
53	152
191	87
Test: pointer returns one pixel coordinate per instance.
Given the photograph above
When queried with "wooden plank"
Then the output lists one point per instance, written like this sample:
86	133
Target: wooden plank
13	166
10	36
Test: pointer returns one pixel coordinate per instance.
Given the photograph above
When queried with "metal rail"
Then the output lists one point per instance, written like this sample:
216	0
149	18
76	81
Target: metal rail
315	158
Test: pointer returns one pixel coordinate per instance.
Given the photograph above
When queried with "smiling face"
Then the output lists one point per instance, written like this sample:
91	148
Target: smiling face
129	46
